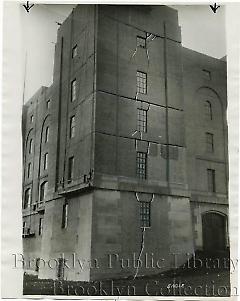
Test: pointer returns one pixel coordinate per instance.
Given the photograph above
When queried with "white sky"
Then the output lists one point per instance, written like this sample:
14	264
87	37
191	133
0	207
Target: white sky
202	30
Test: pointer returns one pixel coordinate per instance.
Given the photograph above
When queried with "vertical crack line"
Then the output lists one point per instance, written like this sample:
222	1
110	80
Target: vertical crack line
141	251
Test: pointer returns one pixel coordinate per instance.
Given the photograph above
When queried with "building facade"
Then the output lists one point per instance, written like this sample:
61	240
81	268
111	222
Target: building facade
126	153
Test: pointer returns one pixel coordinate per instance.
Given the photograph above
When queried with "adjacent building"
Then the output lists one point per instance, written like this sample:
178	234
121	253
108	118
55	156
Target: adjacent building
126	153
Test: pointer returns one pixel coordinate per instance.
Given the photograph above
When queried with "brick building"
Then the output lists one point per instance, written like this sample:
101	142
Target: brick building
128	145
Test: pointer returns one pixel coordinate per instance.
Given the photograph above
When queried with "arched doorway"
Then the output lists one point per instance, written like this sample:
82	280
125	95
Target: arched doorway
214	232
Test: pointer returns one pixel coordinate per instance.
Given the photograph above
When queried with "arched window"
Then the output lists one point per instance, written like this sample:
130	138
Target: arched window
30	146
43	191
208	110
47	134
27	198
29	170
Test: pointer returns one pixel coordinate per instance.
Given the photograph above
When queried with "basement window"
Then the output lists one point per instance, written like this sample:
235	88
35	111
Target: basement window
145	214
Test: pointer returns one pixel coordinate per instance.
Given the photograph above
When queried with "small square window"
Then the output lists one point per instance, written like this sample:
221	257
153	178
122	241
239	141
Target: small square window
207	74
74	51
141	42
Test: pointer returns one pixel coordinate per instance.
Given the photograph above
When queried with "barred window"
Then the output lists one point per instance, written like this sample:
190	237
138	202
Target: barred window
208	110
74	51
142	120
73	90
211	180
31	118
209	143
141	42
72	126
70	168
141	82
145	214
141	165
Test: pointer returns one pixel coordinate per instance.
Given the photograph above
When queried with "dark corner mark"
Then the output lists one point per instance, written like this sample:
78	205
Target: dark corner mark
27	6
214	7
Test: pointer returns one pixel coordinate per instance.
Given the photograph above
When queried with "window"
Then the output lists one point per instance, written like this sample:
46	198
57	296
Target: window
73	90
209	143
141	165
208	110
145	214
211	180
206	74
70	169
47	134
40	226
31	118
72	127
29	169
43	191
65	216
45	161
48	103
141	42
30	146
142	120
74	51
27	198
24	228
141	82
